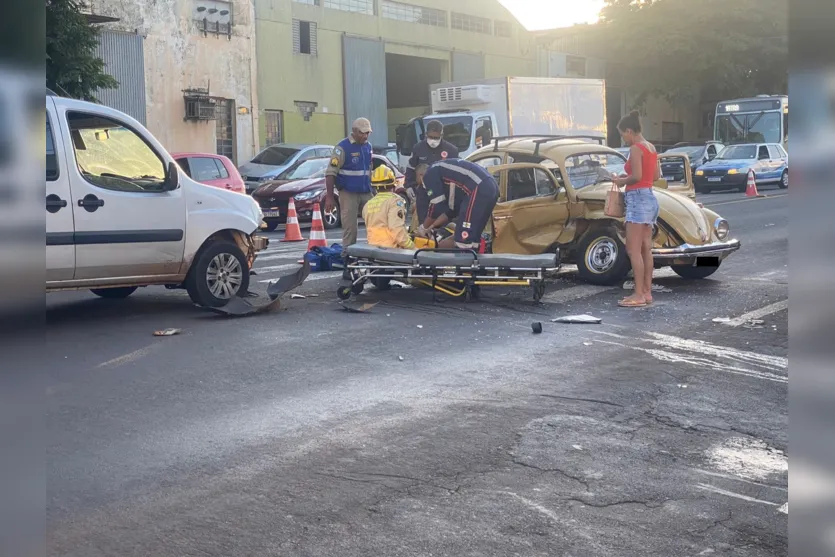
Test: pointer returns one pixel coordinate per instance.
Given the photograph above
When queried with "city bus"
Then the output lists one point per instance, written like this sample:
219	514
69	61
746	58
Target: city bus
760	119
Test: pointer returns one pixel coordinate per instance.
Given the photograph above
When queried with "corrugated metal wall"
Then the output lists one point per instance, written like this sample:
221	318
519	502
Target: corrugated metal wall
364	72
467	66
124	59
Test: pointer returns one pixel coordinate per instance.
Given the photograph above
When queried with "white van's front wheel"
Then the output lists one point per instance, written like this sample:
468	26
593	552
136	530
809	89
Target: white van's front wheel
219	273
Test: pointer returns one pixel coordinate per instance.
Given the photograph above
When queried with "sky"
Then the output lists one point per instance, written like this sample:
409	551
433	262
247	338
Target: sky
549	14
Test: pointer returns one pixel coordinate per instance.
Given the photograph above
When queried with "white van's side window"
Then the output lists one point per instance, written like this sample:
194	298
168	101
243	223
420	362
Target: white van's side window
112	156
52	170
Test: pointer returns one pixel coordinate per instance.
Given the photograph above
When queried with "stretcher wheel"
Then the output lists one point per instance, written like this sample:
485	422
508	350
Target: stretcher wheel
343	292
358	287
538	290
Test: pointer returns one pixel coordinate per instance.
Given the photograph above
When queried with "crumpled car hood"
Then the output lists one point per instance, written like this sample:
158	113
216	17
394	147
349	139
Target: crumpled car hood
681	213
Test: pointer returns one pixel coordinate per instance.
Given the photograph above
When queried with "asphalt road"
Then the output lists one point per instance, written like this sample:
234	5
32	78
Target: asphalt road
430	429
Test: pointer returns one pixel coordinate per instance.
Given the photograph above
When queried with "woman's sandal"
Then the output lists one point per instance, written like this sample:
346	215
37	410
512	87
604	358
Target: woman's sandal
626	303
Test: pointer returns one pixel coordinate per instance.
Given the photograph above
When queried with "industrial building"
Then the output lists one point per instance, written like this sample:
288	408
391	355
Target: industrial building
324	62
232	76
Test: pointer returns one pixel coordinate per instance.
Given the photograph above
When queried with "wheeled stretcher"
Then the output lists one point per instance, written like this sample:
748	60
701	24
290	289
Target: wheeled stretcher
450	271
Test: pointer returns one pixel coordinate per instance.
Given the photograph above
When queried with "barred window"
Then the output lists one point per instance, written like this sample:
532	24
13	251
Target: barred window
356	6
272	123
413	14
472	23
503	29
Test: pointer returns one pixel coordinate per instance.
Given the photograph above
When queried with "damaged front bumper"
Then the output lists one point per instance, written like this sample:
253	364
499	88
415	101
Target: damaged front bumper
688	252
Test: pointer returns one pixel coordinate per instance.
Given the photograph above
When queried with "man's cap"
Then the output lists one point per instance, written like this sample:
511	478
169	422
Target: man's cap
362	124
435	126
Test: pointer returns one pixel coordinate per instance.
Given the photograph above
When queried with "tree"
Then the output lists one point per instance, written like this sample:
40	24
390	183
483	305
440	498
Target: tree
72	67
684	50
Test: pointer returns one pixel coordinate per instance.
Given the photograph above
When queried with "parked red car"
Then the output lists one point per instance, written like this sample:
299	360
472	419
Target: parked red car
305	183
212	170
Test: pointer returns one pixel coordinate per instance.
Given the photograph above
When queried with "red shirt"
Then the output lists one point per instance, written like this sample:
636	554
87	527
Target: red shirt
649	164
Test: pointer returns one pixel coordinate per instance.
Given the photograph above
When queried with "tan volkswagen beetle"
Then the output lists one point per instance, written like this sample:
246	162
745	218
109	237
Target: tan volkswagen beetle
552	193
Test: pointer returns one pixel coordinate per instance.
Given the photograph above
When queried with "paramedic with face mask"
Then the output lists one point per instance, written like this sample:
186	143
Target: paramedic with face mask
429	151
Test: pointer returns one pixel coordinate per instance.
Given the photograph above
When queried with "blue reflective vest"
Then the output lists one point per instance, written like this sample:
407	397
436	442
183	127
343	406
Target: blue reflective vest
355	174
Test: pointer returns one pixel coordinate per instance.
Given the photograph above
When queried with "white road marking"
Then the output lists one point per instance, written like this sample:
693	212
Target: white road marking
725	492
574	293
295	254
265	270
696	350
129	357
313	277
784	508
534	505
738	479
758	313
702	347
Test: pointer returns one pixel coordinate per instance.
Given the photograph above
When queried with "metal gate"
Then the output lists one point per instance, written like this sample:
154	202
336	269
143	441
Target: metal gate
124	59
364	77
225	128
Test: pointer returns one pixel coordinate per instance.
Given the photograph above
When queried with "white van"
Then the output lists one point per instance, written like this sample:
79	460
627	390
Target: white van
121	214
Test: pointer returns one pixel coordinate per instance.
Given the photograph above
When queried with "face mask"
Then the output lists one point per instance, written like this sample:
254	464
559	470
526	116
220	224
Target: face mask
433	143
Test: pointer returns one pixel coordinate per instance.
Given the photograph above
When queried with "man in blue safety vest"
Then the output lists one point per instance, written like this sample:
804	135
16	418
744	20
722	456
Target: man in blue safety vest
349	172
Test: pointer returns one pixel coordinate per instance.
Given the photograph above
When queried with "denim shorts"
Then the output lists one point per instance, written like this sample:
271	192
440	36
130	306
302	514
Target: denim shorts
641	206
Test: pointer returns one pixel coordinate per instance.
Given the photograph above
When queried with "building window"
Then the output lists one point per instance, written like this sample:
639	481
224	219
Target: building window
273	125
213	17
356	6
472	23
575	66
225	128
413	14
504	29
305	37
309	2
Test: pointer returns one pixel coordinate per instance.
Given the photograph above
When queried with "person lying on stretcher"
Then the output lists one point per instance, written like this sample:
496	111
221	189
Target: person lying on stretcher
385	213
462	190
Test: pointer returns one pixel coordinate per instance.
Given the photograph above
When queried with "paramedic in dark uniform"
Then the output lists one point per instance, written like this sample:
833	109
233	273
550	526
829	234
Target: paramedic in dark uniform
462	190
349	172
428	151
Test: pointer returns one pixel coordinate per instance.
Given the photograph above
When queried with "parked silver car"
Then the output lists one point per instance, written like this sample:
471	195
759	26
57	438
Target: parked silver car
275	159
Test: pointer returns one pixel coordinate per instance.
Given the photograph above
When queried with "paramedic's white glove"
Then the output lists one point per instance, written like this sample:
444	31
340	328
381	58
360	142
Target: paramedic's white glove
411	193
422	232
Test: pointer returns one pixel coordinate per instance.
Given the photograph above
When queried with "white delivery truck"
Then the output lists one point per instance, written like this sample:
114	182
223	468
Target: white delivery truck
473	112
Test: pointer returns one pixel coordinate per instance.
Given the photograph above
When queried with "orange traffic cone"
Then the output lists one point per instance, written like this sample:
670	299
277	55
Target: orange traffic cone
293	232
317	230
751	188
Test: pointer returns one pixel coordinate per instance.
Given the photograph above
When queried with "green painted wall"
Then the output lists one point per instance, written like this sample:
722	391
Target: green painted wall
284	77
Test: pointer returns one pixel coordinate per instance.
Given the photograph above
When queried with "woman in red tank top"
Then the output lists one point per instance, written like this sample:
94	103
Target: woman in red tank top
642	169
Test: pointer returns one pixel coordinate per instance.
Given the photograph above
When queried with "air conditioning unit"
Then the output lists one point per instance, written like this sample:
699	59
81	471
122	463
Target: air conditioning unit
462	96
199	105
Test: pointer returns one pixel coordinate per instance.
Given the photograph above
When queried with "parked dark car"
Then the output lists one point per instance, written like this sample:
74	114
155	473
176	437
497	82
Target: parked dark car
305	183
768	161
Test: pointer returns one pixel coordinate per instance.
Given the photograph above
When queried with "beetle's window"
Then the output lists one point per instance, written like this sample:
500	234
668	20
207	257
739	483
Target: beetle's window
112	156
529	182
592	168
489	161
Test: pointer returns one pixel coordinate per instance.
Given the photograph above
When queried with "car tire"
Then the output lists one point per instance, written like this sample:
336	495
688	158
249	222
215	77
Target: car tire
234	280
114	293
784	180
270	225
602	258
693	273
331	221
